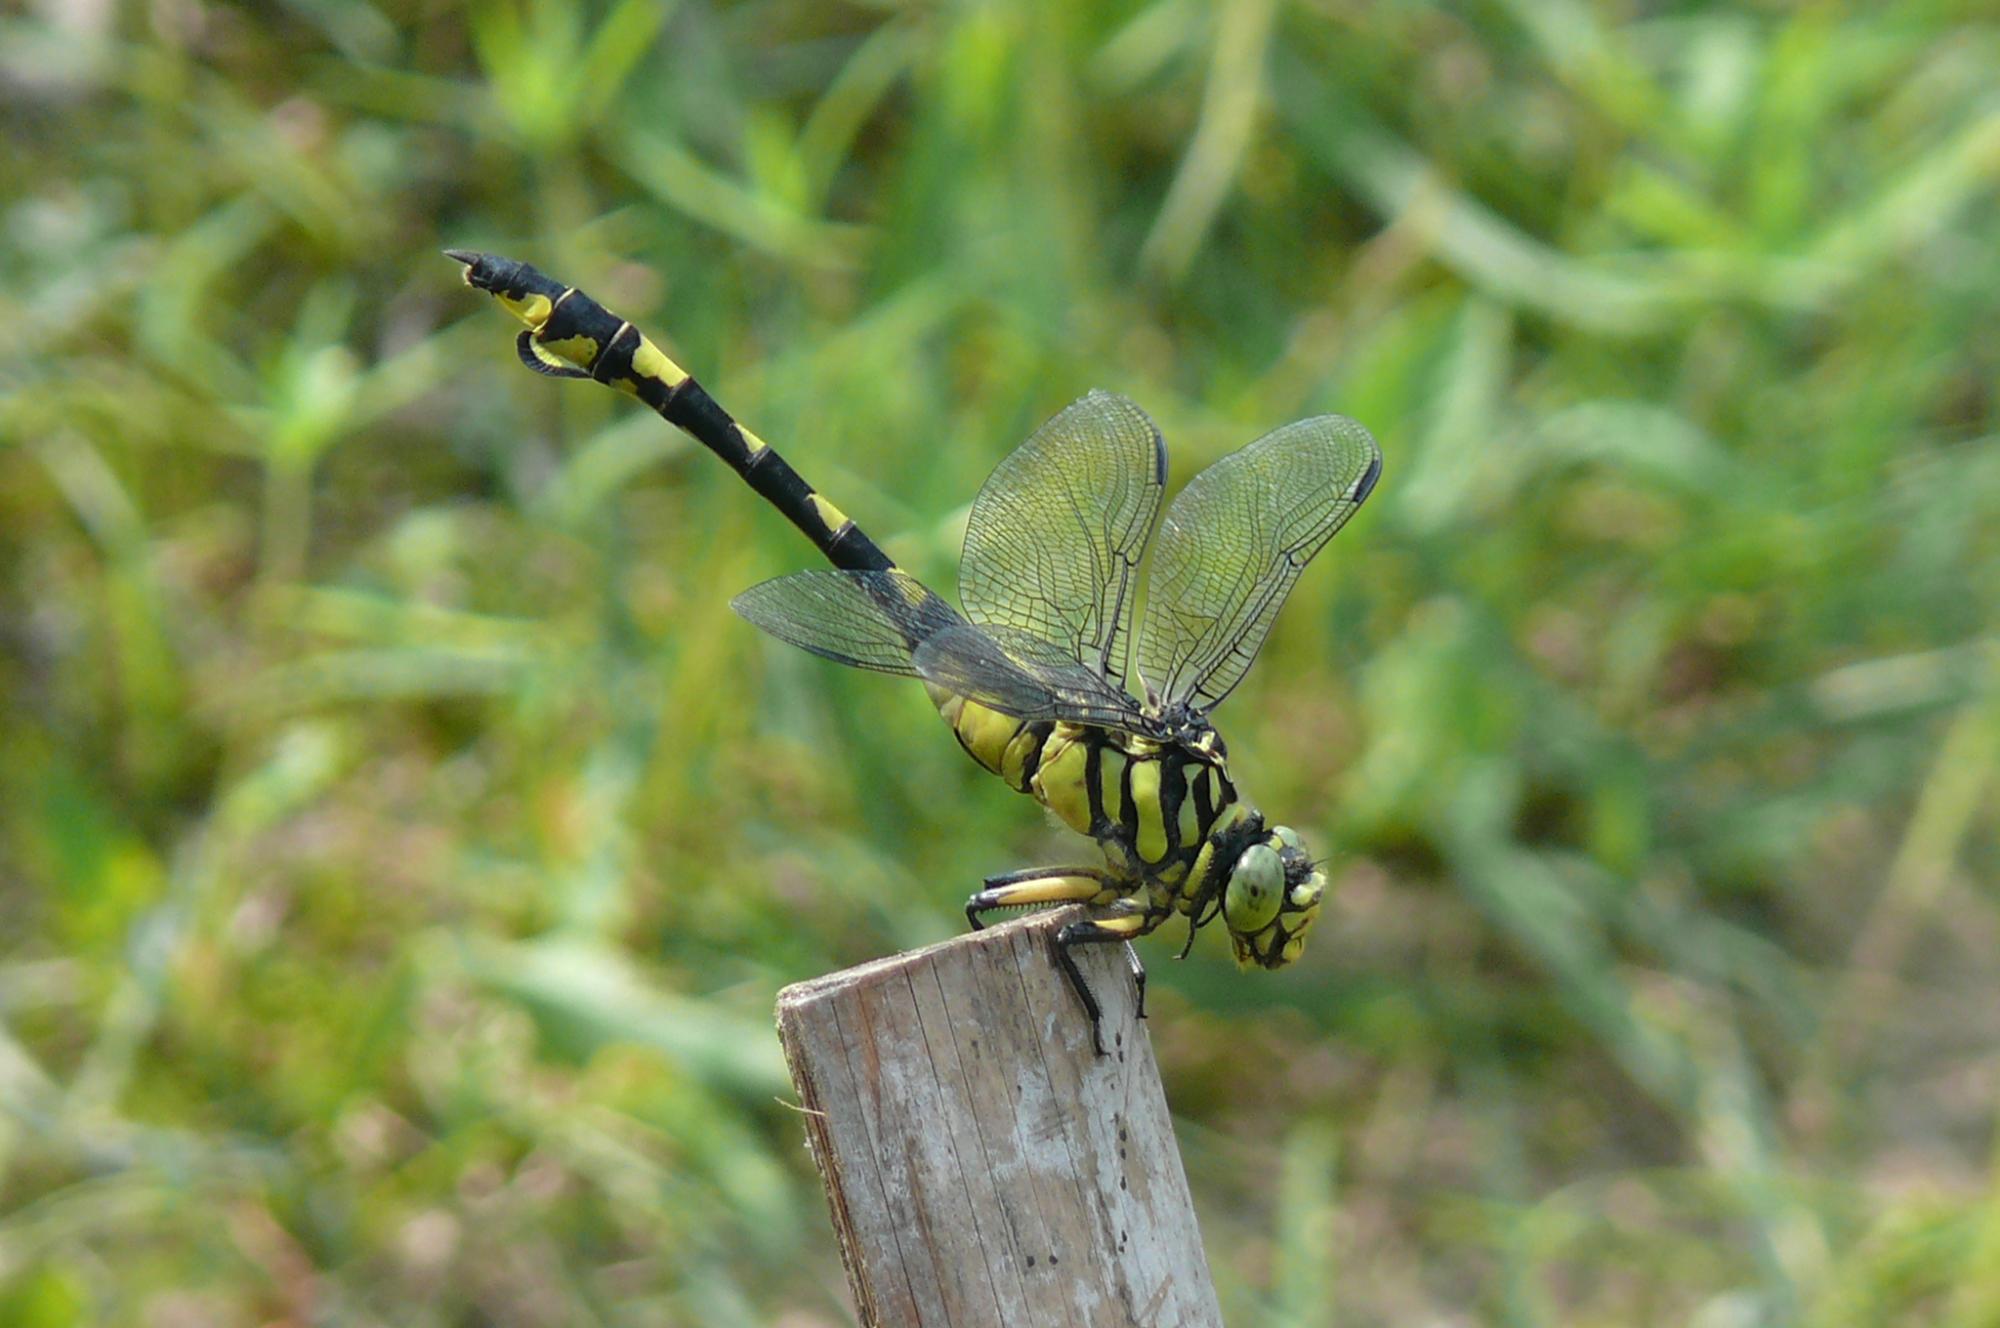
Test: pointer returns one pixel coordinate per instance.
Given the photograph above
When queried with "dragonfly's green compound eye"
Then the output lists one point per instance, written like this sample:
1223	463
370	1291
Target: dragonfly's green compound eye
1272	900
1256	890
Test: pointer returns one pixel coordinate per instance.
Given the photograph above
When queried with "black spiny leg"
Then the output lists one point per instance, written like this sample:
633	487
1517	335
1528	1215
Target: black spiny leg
1196	921
1119	927
1037	885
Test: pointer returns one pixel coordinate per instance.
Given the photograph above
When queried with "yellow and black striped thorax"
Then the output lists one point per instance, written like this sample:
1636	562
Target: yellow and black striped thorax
1158	809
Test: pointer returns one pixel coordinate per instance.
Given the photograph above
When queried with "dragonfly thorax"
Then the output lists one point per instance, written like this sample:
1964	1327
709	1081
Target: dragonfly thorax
1152	805
1168	818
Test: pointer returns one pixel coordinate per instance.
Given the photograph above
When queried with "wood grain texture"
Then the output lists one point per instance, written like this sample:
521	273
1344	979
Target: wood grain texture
983	1165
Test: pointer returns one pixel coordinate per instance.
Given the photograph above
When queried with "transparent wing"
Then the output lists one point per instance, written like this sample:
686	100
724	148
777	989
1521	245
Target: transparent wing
1232	545
1058	529
892	623
1018	673
868	620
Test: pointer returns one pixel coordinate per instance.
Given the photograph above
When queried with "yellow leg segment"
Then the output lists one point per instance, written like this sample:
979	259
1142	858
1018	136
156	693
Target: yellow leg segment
1128	926
1039	885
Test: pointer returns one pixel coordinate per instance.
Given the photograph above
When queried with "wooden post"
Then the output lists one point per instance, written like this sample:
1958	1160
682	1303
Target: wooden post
983	1164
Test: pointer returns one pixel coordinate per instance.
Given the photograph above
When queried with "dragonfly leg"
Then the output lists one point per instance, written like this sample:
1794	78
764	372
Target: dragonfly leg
1120	926
1138	979
1037	885
1196	921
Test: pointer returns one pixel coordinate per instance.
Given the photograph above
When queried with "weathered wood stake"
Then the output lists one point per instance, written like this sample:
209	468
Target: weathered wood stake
983	1164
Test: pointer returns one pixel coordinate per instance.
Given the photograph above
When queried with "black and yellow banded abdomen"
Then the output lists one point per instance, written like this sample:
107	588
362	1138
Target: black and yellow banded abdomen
570	335
1010	748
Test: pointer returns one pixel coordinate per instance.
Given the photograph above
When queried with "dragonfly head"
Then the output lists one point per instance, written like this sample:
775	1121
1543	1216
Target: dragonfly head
1272	899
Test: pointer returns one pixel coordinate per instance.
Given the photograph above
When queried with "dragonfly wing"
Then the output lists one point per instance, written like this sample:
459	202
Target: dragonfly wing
1233	543
1055	536
1019	674
891	622
867	620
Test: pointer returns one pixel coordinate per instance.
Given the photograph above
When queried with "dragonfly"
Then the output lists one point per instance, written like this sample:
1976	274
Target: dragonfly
1041	678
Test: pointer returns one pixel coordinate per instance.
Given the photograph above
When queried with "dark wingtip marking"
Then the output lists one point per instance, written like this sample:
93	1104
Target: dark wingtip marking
1159	439
1366	485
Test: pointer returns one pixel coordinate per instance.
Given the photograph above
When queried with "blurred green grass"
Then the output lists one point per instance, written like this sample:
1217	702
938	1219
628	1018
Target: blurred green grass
401	844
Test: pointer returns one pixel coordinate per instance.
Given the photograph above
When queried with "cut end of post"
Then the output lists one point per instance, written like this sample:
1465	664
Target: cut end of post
978	1154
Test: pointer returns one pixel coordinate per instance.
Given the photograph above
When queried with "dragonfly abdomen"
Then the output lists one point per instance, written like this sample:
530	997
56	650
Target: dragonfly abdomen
570	335
1008	747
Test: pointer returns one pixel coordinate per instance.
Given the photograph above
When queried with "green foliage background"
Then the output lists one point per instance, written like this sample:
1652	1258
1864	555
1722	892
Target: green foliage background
401	844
